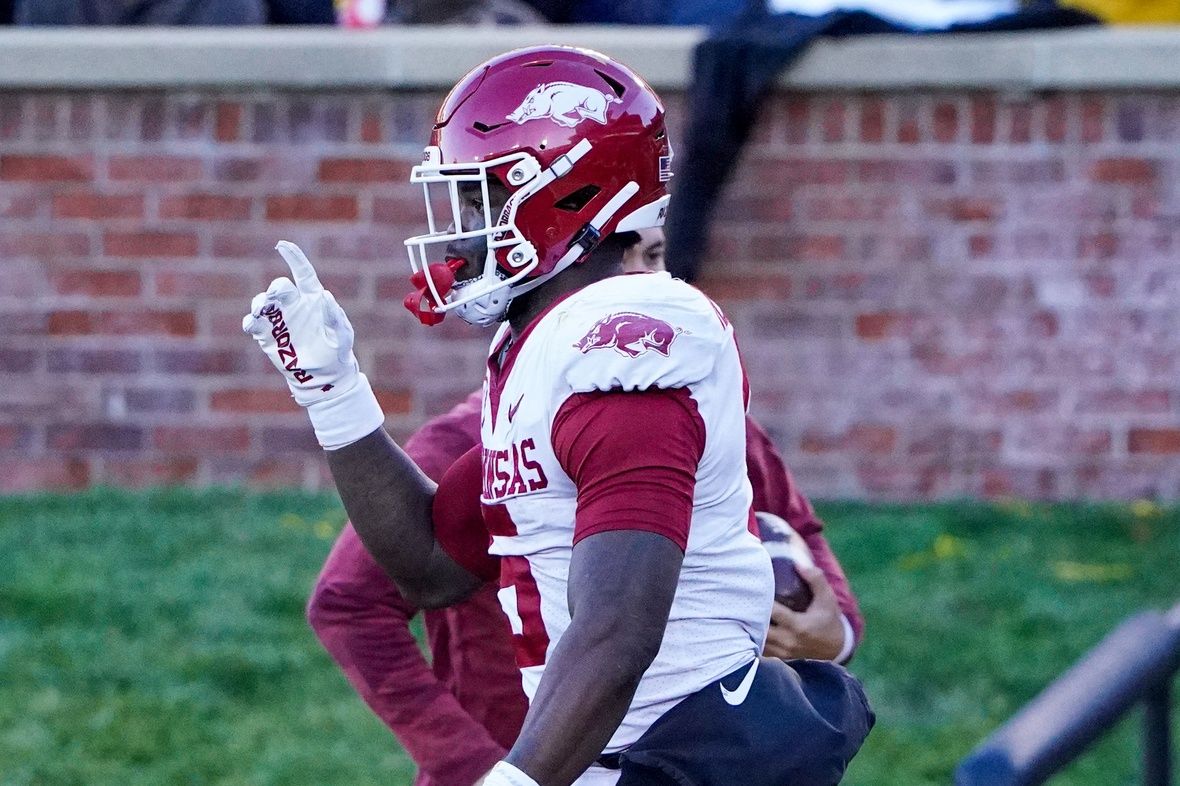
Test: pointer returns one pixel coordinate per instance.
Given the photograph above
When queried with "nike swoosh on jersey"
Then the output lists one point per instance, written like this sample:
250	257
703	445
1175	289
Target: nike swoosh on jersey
513	407
738	695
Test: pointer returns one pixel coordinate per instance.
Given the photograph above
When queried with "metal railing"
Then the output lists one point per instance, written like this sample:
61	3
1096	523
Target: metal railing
1134	664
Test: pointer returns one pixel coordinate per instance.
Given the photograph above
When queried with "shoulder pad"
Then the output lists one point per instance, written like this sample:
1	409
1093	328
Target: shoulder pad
638	332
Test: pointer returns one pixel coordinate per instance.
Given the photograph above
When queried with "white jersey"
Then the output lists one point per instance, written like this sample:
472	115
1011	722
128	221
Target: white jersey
627	333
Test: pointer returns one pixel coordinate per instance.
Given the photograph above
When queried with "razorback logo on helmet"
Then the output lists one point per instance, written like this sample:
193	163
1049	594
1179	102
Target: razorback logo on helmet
630	334
565	103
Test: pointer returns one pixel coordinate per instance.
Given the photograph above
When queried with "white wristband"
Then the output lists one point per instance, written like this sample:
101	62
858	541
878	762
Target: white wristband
343	420
849	641
504	774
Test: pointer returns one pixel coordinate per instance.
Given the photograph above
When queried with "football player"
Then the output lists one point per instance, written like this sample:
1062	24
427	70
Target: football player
610	475
459	714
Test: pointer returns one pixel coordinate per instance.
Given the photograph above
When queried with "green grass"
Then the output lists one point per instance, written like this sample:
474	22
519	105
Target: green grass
159	638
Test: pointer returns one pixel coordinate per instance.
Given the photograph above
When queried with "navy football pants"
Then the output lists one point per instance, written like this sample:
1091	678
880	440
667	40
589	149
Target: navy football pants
799	725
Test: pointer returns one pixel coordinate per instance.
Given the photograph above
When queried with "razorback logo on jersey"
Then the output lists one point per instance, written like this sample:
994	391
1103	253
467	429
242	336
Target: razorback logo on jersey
565	103
511	472
631	334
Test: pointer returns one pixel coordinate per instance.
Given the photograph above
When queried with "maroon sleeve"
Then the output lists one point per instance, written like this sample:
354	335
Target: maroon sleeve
458	518
363	623
633	457
775	492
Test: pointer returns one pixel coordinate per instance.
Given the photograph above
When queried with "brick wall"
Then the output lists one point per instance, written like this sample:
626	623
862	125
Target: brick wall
937	295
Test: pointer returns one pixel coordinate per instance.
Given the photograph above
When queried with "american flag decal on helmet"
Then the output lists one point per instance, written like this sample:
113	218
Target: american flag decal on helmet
665	168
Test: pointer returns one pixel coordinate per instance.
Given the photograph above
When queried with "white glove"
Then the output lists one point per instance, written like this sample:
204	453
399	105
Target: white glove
504	774
307	336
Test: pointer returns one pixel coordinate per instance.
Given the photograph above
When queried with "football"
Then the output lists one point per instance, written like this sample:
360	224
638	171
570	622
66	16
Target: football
787	550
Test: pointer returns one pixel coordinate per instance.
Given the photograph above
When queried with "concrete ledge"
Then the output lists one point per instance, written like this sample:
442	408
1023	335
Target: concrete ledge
433	58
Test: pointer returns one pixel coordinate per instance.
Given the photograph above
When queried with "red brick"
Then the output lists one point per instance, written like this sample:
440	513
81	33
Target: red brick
97	283
1019	123
343	285
1116	401
849	208
91	205
1056	120
201	439
1130	120
983	120
1093	119
154	168
228	122
1125	170
909	128
309	207
41	111
371	127
51	245
190	119
833	120
46	168
98	361
872	120
11	114
1043	324
18	205
95	436
726	286
1057	439
980	246
872	438
404	211
363	170
880	325
394	402
150	244
1098	245
798	117
173	283
122	323
243	244
152	118
23	323
17	361
238	170
820	442
14	437
139	473
288	439
25	474
966	208
946	123
279	473
269	399
1154	440
1024	401
1101	285
207	207
179	362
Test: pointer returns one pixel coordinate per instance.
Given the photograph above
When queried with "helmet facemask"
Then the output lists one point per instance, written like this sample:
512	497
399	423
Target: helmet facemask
479	299
510	257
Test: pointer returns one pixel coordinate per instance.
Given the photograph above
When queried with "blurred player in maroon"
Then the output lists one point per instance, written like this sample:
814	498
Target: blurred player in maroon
458	715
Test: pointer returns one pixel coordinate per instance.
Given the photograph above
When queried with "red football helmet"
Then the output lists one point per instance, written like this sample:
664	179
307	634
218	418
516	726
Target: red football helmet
578	141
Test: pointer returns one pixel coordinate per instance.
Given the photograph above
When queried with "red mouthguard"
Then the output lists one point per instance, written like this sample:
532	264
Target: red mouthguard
421	302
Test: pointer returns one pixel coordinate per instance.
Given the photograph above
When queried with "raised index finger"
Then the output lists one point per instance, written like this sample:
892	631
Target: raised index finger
301	270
